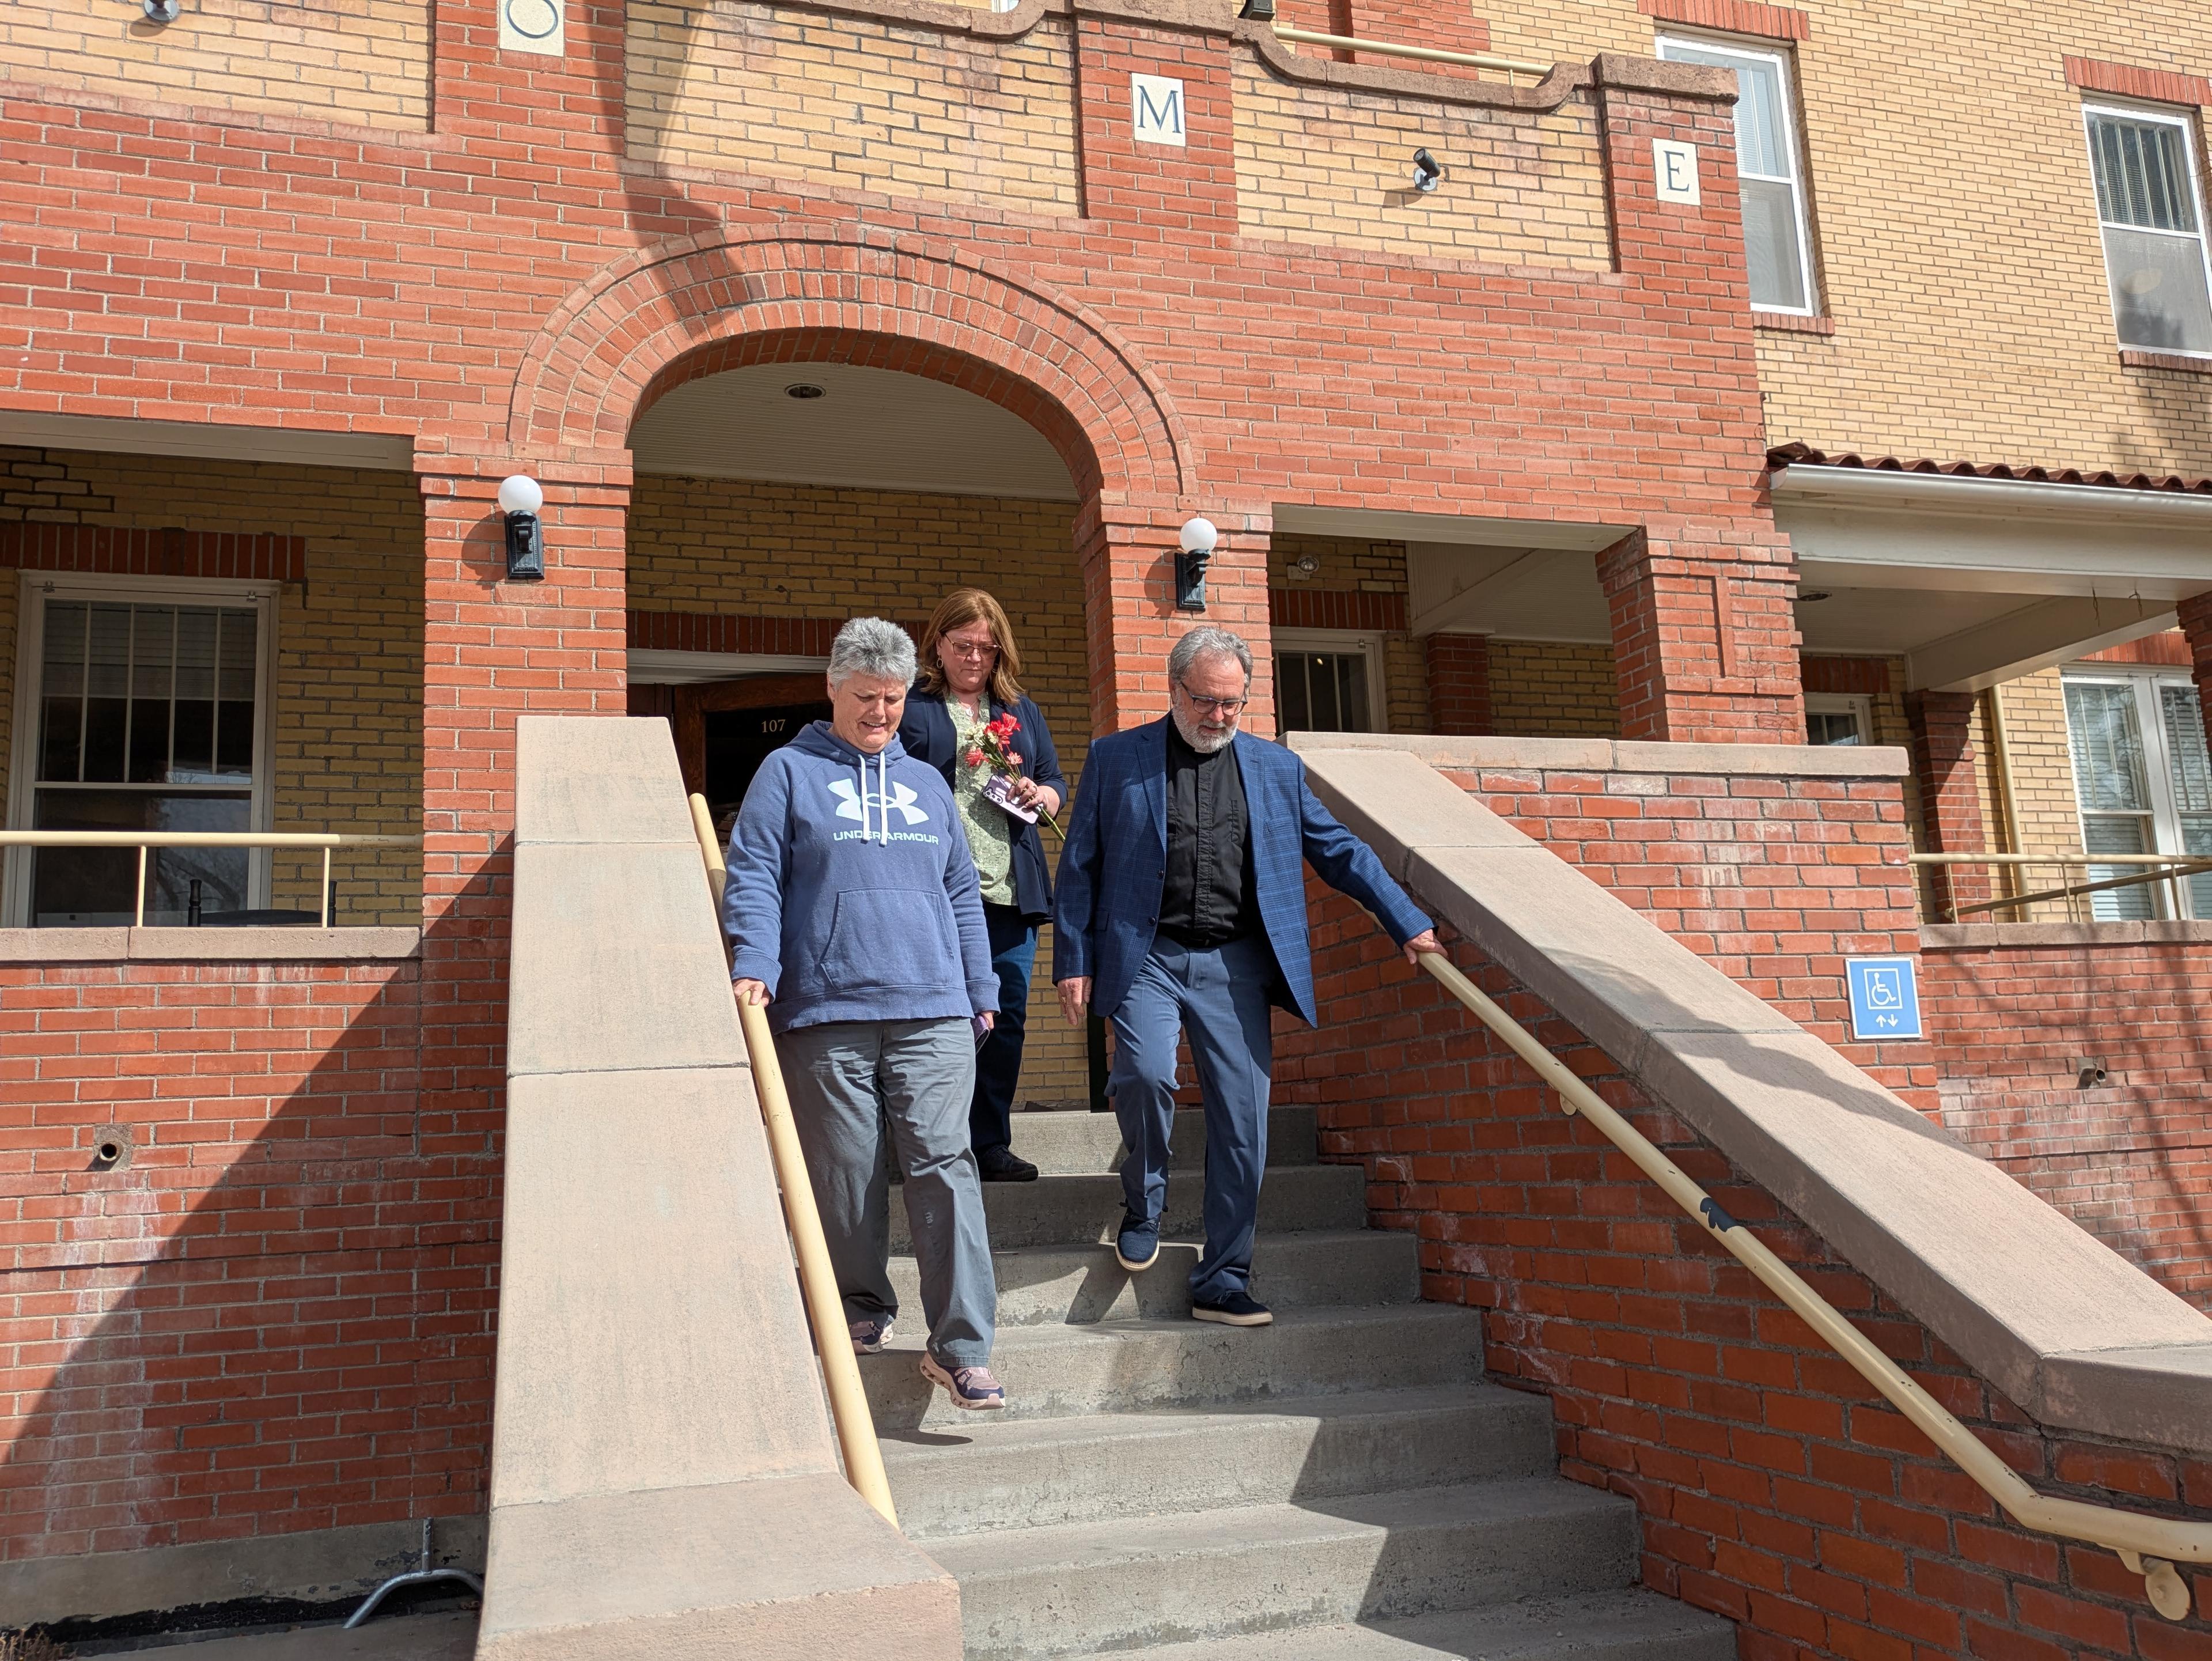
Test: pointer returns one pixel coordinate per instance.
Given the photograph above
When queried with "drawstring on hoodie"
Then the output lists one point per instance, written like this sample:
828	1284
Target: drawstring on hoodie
883	795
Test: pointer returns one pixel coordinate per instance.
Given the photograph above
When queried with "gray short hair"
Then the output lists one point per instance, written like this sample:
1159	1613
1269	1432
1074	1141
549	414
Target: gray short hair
1207	641
870	646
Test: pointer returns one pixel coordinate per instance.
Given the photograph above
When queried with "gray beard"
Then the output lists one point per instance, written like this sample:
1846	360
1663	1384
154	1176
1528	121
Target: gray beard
1197	740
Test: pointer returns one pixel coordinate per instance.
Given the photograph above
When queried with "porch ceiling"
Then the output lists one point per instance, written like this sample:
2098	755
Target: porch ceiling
870	429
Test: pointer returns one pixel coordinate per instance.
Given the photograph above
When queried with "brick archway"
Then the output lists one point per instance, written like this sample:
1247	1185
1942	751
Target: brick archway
672	313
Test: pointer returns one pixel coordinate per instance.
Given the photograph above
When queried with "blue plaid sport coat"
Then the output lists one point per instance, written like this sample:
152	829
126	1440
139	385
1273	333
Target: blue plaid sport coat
1114	868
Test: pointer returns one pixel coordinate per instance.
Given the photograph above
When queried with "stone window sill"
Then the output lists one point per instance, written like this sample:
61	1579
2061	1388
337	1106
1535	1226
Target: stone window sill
1790	323
55	945
2135	359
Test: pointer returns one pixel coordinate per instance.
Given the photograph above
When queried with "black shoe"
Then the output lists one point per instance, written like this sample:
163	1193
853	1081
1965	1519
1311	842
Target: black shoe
1002	1164
1238	1308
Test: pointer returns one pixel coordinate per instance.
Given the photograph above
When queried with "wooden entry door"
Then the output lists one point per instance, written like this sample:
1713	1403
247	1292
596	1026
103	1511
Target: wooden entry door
724	729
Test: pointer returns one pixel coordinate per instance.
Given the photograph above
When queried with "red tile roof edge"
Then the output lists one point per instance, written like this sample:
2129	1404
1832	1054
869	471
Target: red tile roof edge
1803	455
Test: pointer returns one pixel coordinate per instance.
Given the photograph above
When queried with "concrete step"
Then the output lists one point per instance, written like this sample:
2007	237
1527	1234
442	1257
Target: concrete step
1122	1366
1130	1583
1629	1626
1075	1143
1031	1472
1081	1284
1083	1210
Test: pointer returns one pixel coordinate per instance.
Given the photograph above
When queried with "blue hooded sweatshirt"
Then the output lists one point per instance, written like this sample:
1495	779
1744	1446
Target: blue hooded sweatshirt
851	895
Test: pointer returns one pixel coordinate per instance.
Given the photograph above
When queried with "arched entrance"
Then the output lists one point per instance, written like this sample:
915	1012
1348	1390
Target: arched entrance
853	300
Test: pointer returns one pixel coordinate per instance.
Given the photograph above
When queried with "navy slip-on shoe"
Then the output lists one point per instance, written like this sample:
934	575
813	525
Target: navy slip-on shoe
1137	1246
1238	1308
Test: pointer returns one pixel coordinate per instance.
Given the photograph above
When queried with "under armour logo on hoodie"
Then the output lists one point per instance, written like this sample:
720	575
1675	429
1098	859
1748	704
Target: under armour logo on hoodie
901	802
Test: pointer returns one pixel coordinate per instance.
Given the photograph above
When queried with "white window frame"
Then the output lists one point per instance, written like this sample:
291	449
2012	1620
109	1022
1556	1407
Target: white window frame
38	589
649	666
1800	193
1845	703
1342	641
2158	764
2166	116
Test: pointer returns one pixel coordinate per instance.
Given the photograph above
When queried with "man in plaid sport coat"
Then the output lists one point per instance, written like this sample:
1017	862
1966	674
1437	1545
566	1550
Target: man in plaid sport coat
1183	909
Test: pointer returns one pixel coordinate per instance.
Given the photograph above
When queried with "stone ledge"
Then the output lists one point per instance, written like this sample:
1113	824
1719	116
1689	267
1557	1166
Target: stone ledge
63	946
1468	755
2070	1331
320	1565
1999	936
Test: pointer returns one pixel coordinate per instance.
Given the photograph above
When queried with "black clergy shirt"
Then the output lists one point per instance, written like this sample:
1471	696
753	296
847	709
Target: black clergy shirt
1209	898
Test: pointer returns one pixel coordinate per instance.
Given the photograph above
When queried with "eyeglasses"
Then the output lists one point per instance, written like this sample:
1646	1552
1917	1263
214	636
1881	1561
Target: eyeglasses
1219	706
968	649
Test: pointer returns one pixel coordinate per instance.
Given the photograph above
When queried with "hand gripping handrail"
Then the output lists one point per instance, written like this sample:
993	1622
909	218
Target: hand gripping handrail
2149	1546
817	1281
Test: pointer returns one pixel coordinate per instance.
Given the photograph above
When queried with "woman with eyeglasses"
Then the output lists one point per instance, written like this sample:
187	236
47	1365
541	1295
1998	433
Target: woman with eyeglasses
1005	779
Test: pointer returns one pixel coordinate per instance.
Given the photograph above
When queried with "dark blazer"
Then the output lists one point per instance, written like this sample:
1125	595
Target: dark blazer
1115	866
926	733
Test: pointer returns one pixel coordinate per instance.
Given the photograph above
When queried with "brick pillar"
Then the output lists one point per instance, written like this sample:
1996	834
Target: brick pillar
2196	614
1705	633
1458	685
1127	559
1950	803
1180	190
492	650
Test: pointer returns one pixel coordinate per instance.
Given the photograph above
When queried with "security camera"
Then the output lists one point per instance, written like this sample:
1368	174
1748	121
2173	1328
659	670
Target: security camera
1427	170
160	11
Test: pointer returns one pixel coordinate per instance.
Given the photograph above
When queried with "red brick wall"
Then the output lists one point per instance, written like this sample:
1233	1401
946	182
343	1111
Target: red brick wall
2129	1160
1773	1486
277	1316
1773	880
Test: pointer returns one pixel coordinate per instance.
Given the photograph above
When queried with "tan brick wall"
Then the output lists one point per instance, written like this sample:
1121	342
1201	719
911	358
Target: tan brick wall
836	102
349	665
1552	688
802	550
1316	165
2042	763
1972	314
367	62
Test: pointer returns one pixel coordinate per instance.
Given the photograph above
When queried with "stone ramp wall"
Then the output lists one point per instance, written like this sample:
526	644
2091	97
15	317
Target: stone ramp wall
1774	1485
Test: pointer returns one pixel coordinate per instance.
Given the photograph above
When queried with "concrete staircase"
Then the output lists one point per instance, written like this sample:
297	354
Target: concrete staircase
1340	1486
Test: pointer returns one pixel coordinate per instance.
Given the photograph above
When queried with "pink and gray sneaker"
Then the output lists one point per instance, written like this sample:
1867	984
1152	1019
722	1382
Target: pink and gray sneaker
870	1336
972	1387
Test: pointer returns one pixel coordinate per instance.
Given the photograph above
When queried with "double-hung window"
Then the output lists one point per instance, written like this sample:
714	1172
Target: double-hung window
2144	162
1839	718
1777	243
2144	782
1327	682
140	708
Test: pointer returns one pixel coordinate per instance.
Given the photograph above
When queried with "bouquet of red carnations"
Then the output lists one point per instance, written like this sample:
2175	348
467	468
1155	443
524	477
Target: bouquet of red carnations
994	748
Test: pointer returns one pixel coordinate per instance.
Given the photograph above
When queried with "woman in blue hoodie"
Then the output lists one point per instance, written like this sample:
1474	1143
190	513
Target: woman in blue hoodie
853	910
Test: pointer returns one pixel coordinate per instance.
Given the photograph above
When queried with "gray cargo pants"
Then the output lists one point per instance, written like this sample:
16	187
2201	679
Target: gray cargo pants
848	1080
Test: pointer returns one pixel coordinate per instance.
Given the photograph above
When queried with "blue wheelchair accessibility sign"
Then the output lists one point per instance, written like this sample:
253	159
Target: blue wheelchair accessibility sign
1884	997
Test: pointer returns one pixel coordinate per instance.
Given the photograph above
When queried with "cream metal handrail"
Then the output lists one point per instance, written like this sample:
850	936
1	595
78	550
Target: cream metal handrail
145	840
2149	1546
1478	60
817	1281
2171	868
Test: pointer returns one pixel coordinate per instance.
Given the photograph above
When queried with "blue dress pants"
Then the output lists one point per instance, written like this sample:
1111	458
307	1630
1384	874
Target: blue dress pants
1219	997
998	1062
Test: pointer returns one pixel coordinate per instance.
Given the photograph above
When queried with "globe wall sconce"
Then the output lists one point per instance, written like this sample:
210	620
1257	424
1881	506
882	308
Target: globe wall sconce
1192	558
520	499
